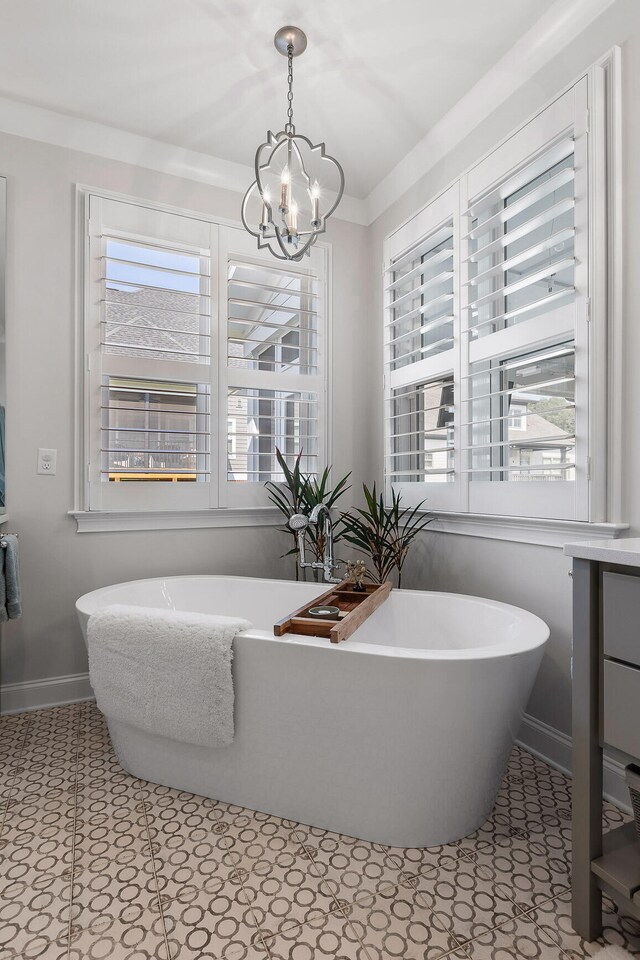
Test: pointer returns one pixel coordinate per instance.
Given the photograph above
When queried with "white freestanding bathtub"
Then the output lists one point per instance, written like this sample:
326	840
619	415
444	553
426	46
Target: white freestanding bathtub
399	735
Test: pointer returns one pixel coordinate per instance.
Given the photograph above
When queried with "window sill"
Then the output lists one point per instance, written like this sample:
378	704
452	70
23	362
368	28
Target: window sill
549	533
99	521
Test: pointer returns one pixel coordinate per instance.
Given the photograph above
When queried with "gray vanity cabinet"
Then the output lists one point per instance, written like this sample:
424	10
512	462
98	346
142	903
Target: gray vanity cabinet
621	617
606	712
621	662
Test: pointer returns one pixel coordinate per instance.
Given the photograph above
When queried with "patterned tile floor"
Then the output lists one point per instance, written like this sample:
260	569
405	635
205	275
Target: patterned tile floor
97	864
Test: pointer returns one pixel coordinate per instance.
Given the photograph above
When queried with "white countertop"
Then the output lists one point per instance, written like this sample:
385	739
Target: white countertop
626	552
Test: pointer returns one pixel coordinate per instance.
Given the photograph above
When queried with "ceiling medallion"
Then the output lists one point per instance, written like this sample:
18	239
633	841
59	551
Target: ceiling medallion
298	185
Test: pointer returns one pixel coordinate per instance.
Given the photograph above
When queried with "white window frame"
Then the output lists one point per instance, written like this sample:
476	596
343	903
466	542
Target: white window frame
594	99
220	502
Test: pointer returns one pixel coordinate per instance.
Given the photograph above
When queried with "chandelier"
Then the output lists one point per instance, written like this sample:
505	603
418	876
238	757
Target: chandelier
298	185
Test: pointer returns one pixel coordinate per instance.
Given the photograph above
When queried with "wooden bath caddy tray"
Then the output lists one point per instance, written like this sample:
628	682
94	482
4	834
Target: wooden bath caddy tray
357	606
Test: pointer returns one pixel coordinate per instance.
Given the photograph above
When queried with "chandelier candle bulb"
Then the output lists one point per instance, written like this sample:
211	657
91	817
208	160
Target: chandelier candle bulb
284	190
292	220
314	193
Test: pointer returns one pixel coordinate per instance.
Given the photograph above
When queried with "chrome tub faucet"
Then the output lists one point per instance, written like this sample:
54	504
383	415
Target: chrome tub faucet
299	524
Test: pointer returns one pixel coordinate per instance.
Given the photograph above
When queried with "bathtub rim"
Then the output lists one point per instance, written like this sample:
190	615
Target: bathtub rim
536	635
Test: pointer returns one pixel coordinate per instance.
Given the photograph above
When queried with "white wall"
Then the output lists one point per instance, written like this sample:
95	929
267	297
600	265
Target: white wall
532	576
58	564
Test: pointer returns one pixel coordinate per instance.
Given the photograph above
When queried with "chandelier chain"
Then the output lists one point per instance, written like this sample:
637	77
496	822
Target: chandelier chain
289	127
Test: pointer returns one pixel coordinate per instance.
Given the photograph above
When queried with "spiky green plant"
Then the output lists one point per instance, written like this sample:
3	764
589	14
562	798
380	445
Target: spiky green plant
384	533
299	493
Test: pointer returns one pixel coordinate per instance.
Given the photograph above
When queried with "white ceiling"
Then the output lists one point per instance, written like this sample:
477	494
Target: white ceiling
204	74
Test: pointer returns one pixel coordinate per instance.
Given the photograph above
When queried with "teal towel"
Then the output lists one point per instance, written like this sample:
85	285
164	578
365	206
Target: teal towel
10	600
2	478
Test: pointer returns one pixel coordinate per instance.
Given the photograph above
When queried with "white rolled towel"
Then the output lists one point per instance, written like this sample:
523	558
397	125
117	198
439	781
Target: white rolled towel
165	671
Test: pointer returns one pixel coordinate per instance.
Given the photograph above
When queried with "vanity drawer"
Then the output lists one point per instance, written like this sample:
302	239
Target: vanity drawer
621	708
621	613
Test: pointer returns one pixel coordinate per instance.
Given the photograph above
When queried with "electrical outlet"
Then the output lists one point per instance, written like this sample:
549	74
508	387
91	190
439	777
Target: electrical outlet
47	461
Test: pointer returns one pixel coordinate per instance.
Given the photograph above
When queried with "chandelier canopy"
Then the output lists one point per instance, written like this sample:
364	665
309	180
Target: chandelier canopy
298	185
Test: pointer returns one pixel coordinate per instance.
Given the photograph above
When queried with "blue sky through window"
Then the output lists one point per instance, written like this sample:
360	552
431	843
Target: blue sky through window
147	265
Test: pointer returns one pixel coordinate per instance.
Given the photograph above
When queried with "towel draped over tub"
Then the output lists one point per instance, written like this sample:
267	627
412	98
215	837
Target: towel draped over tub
164	671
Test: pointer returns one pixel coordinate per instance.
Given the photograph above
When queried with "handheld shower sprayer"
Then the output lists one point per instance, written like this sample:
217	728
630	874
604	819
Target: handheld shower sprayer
298	522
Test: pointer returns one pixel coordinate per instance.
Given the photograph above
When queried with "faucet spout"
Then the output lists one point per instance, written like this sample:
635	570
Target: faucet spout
317	512
329	565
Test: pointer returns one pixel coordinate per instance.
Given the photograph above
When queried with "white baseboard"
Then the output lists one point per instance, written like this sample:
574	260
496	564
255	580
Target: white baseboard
554	747
50	692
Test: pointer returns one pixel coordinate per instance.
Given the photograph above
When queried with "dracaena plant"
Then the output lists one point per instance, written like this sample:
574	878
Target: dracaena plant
384	533
299	493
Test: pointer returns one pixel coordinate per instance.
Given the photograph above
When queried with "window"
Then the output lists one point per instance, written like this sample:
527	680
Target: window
203	357
421	359
154	430
518	446
275	376
517	416
422	432
232	440
490	380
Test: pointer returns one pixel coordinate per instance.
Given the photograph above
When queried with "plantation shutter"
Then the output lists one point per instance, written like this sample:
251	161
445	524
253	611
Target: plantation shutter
487	360
421	356
275	340
523	389
150	300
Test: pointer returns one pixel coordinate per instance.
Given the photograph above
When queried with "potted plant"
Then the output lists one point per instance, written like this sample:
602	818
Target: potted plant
299	493
384	533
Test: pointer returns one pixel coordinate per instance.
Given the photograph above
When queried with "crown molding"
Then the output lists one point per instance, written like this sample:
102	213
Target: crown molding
565	20
74	133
